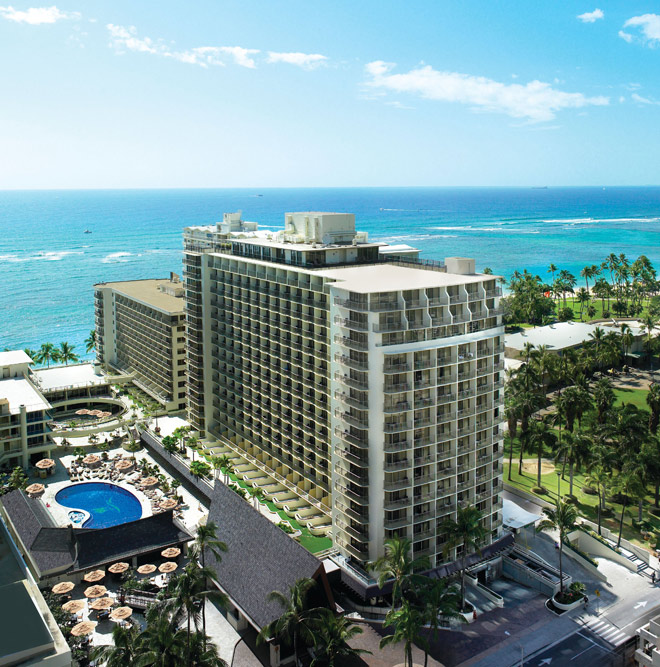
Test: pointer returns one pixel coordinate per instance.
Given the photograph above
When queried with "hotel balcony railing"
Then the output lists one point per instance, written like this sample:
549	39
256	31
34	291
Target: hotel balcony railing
352	419
397	485
438	301
422	516
352	363
382	306
424	383
396	388
397	503
445	472
353	532
346	436
363	385
384	327
351	324
445	398
353	514
355	496
394	466
394	447
361	552
423	460
398	407
352	401
423	421
360	480
399	522
396	368
353	344
396	427
492	293
474	296
457	298
352	305
423	479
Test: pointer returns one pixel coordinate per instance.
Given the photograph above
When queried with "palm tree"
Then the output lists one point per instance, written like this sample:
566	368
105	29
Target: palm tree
203	652
541	436
47	353
66	353
653	401
162	644
257	495
90	341
206	538
407	622
563	519
599	479
465	531
574	451
33	354
124	648
552	269
627	484
298	623
604	398
440	599
397	565
332	637
218	463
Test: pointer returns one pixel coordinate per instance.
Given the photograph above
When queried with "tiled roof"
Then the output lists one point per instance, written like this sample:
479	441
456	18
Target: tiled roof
260	556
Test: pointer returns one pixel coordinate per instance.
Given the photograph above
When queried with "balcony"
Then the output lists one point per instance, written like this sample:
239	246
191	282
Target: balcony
394	447
346	436
396	388
457	298
396	427
398	407
362	385
394	466
396	368
385	327
352	363
397	485
361	346
359	404
399	522
381	306
398	503
353	325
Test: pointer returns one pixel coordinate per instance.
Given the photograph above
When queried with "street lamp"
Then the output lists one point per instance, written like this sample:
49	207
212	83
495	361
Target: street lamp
558	486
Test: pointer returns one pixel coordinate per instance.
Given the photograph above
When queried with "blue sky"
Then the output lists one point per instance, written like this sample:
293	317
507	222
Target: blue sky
319	93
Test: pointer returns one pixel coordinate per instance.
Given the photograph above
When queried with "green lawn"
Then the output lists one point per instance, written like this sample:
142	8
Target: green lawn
596	303
635	396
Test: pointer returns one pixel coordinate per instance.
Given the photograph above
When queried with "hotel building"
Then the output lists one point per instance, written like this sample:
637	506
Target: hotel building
24	413
370	379
140	330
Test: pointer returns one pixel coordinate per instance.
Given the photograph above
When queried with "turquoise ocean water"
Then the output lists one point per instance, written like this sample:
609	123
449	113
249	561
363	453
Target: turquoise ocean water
48	264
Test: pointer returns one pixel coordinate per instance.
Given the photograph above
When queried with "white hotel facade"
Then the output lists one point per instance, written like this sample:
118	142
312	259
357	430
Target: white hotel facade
371	380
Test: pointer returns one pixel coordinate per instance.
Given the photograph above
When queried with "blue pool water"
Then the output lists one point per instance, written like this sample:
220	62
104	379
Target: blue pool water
107	504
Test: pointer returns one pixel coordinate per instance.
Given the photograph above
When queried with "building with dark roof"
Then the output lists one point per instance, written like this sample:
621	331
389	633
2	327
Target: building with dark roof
51	551
260	558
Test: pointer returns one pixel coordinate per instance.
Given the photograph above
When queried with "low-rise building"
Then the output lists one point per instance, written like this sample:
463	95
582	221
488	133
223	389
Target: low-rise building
648	644
140	330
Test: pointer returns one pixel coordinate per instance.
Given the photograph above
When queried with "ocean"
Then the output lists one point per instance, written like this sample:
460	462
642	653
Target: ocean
48	264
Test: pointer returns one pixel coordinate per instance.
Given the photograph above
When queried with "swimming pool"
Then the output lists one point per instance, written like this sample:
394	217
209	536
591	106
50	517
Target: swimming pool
107	504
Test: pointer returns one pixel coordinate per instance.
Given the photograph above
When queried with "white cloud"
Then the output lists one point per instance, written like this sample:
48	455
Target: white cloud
649	27
36	15
535	101
591	17
124	39
642	100
304	60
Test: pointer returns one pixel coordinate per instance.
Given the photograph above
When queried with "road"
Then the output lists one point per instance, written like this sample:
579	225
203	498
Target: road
582	649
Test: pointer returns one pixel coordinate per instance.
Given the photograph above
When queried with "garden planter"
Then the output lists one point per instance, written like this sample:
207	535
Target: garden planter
567	606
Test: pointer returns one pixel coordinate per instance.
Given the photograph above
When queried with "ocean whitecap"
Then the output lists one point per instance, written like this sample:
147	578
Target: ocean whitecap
116	257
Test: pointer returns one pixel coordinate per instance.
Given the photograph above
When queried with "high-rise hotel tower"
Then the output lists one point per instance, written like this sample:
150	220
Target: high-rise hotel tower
370	379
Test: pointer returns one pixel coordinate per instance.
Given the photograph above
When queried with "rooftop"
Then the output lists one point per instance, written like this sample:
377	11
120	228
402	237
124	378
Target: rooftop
558	336
392	278
78	375
19	391
147	292
14	357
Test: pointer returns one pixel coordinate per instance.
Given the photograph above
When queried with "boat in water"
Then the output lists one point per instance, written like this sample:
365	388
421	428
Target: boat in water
88	231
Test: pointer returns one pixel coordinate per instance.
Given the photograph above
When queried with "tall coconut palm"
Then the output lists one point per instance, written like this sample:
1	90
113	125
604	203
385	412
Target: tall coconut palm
407	622
604	398
629	485
33	354
67	354
162	644
511	413
653	401
540	437
440	599
298	622
47	353
574	451
397	565
204	653
599	478
332	637
206	539
90	341
561	518
467	532
552	269
124	648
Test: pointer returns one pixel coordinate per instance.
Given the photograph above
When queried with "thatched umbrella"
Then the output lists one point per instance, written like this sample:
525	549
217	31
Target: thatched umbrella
168	504
74	606
121	613
91	459
95	591
94	576
150	481
106	414
124	464
44	464
35	489
146	569
82	411
63	587
101	604
118	568
83	628
171	552
168	567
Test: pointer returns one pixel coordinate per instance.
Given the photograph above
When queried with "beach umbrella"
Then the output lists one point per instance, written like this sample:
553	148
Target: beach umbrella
101	604
124	464
83	628
63	587
168	504
96	413
146	569
35	489
90	459
74	606
118	568
106	414
95	591
150	481
44	464
167	567
121	613
82	411
172	552
94	576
